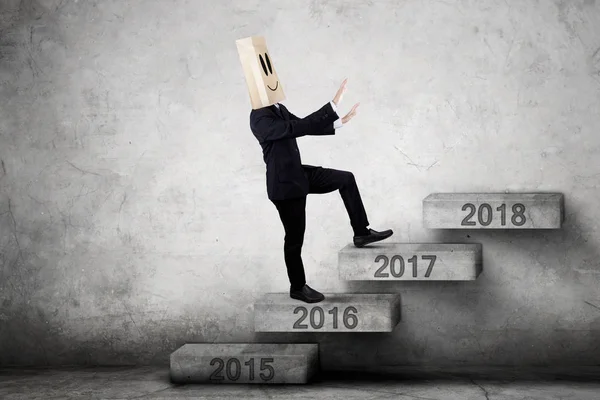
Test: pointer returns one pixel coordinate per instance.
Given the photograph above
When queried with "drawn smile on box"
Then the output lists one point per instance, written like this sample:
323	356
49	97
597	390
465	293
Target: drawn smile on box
267	68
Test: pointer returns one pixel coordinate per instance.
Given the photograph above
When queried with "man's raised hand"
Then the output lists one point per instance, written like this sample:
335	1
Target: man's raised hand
340	93
351	114
338	98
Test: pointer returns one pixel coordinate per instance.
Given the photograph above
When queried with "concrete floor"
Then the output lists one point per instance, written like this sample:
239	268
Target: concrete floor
153	383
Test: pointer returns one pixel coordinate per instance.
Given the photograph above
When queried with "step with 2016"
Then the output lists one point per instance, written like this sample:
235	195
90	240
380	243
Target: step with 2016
339	312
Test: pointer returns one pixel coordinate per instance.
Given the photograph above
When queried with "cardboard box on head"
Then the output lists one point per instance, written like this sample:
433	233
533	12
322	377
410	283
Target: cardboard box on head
262	80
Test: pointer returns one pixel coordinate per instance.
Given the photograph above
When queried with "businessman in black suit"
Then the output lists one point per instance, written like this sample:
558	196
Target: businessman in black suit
289	181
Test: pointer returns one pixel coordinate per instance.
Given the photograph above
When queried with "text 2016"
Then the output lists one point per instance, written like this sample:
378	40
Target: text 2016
317	317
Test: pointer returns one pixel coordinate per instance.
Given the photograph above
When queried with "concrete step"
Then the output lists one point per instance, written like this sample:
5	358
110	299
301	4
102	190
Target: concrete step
410	262
493	211
339	312
244	363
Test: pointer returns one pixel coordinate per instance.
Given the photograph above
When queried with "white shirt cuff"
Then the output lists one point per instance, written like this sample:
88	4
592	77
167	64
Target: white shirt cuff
338	122
333	106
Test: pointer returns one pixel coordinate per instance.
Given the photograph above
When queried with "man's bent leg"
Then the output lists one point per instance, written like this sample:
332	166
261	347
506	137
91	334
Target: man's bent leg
326	180
293	216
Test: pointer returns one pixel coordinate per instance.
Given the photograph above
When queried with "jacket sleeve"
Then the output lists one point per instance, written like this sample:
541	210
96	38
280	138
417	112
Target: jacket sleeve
267	127
328	130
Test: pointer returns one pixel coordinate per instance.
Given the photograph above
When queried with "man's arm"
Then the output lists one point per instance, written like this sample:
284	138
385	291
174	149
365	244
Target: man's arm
336	124
267	127
327	128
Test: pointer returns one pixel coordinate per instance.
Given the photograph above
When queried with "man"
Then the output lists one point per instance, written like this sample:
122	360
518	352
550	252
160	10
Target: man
288	180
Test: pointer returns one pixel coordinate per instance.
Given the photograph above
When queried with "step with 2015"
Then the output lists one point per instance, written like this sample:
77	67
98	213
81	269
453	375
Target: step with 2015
244	363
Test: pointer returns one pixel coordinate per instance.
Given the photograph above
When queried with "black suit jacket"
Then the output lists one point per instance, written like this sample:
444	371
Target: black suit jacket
276	131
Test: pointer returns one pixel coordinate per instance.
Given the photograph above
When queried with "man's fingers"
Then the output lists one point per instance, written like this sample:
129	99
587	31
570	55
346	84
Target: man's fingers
350	114
343	86
353	110
340	92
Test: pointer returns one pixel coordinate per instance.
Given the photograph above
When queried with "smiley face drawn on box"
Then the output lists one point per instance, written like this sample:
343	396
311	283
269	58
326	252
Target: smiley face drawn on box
263	83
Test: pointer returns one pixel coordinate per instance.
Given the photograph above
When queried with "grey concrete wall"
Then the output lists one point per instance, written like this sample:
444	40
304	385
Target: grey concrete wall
133	208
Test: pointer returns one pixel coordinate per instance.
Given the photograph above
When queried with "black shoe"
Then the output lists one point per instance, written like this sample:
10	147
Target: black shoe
306	294
373	236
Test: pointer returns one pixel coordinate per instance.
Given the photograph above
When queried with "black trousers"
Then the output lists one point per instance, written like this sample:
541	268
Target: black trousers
293	216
